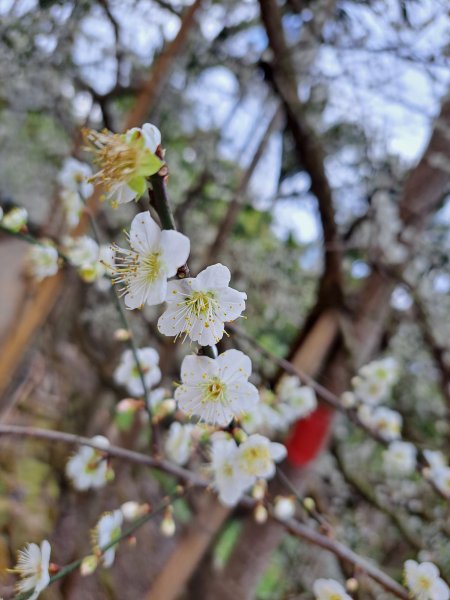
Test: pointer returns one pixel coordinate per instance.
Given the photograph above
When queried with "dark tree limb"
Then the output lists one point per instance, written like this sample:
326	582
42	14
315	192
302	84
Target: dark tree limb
281	74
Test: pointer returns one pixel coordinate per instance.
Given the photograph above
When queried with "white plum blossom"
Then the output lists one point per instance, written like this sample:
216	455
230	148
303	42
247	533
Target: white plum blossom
42	260
127	371
216	389
275	413
73	207
370	391
107	530
385	422
375	380
33	567
229	481
126	161
296	401
257	457
88	468
178	445
400	458
263	418
74	177
384	369
329	589
423	581
160	403
15	219
153	257
198	307
81	251
441	479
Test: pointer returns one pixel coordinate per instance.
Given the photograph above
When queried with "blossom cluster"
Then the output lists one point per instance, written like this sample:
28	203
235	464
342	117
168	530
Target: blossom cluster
278	410
370	387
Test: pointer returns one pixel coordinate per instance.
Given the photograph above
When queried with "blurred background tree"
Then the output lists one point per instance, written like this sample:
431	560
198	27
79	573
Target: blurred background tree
284	123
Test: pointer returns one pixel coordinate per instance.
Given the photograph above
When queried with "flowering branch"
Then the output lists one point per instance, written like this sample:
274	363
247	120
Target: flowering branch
333	401
294	527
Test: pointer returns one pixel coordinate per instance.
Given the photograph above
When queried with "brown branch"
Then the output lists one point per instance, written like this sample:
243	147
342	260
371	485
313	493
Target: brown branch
344	553
114	451
281	74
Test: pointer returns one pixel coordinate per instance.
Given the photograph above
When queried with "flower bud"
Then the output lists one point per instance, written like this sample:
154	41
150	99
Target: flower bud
259	489
122	335
348	399
168	524
132	510
284	507
352	585
260	514
88	565
309	504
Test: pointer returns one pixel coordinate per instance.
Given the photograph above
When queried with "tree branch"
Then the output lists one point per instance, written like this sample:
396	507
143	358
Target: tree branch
281	74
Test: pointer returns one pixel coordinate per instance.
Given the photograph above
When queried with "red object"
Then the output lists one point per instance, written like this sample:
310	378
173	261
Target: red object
309	436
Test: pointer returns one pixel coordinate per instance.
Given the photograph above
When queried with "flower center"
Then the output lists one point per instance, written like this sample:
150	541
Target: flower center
118	159
227	470
254	457
93	464
201	303
424	582
214	391
151	265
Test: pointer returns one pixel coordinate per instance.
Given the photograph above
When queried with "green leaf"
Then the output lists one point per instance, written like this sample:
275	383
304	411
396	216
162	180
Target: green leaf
150	165
138	185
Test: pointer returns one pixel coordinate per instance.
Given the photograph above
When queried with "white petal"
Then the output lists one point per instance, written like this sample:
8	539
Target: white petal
170	322
145	234
277	451
175	249
234	364
45	554
196	369
141	293
215	276
152	136
243	396
231	303
439	590
121	193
